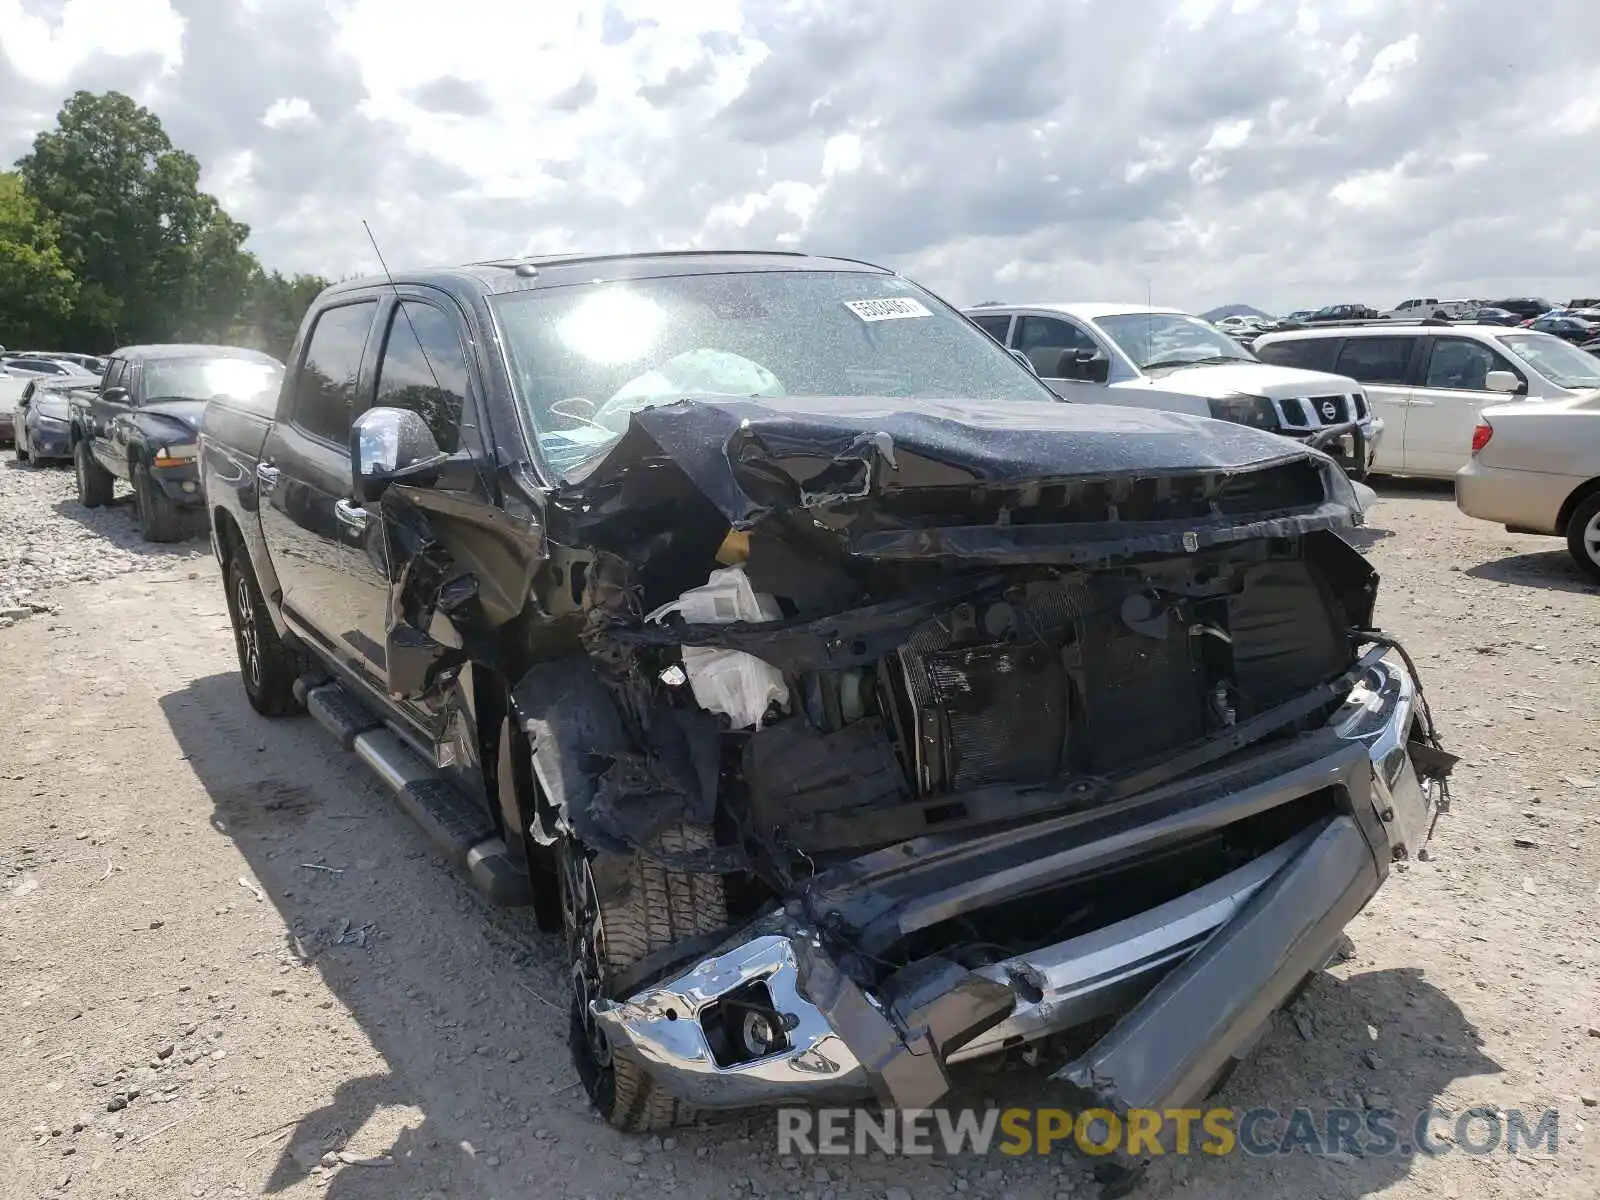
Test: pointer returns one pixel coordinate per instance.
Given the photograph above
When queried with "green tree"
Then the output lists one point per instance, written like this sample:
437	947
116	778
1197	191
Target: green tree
37	290
274	309
158	258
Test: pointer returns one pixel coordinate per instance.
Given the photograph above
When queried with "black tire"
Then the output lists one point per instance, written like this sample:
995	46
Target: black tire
95	484
160	520
652	908
267	664
1583	537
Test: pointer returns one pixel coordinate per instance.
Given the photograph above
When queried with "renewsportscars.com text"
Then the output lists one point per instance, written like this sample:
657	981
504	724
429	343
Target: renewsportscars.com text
1178	1131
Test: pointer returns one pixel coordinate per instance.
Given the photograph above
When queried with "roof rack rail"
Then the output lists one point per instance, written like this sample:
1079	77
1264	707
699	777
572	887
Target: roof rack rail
551	260
1382	322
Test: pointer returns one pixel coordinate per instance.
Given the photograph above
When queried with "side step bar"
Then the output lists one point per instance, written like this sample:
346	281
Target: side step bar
463	831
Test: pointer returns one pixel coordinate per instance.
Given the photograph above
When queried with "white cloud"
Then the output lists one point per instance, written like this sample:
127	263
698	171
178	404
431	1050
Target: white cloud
1386	65
287	111
1276	153
1581	115
50	51
842	152
1230	135
1369	189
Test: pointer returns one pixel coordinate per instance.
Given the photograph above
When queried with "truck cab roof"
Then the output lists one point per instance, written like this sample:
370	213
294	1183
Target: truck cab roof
529	273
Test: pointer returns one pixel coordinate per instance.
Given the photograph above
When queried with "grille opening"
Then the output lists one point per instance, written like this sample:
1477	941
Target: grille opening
1181	498
1119	891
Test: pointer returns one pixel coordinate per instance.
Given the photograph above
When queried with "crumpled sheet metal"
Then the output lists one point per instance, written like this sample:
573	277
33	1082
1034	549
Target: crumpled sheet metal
751	457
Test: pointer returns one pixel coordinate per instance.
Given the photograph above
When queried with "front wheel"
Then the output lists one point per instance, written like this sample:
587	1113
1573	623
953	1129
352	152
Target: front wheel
267	664
160	520
95	484
650	909
1583	537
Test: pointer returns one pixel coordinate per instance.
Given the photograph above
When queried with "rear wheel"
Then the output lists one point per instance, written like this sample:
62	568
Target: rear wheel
652	908
160	520
268	665
1583	536
95	484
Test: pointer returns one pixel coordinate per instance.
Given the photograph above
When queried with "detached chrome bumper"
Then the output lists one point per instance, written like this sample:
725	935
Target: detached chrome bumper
1197	976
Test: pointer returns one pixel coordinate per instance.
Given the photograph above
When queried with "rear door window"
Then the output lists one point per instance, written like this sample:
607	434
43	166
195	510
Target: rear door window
1309	354
325	390
1379	360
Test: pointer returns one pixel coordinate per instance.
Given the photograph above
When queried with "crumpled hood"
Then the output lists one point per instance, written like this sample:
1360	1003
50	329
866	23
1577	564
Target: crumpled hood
1248	379
185	412
752	456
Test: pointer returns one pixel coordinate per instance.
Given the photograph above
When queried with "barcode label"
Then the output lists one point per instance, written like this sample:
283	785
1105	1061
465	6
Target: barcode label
892	308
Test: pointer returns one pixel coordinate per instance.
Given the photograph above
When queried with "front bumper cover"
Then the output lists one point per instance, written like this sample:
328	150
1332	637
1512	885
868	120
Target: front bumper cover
1196	977
49	442
180	483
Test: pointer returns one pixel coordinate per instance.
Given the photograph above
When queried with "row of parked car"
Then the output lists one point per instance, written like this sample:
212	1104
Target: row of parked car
1389	397
135	416
1578	321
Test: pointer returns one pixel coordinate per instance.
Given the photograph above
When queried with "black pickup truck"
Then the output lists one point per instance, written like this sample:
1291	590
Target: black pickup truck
853	705
141	423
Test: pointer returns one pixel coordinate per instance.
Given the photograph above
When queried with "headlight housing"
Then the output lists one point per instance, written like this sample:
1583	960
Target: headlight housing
1255	411
173	455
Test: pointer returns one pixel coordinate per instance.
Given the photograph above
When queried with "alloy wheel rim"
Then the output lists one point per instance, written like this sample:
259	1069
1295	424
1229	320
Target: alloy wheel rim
249	642
1591	538
580	917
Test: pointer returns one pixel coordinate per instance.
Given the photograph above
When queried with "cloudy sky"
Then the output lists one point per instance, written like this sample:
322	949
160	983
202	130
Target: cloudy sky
1277	152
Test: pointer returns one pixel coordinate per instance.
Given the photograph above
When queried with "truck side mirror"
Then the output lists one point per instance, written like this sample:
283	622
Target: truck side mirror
115	395
1502	381
389	445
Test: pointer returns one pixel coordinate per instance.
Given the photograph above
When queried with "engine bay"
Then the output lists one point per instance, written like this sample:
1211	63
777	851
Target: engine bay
1032	679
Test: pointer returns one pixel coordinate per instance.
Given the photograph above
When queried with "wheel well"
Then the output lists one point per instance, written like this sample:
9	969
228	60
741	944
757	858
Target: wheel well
1579	494
228	535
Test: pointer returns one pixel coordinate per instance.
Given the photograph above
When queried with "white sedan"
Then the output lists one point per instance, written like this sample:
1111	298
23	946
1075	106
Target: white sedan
1535	468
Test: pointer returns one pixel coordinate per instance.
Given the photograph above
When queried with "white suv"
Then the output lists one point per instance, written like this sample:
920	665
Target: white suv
1144	357
1430	382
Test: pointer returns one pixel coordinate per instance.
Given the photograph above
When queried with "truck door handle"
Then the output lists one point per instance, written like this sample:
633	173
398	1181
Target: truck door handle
266	476
1415	403
350	516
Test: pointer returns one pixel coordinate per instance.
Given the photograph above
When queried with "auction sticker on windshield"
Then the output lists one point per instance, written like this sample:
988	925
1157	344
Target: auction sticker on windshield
890	308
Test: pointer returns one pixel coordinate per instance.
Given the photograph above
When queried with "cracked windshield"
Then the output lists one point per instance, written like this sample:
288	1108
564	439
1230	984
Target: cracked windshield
586	359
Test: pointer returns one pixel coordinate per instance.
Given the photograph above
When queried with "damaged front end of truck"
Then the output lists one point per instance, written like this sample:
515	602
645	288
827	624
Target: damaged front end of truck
993	721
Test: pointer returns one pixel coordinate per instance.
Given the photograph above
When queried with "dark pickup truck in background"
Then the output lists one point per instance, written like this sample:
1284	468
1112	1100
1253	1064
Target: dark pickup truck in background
855	707
142	422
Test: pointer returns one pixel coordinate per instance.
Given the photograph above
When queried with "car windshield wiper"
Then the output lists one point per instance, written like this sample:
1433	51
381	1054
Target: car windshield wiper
1208	360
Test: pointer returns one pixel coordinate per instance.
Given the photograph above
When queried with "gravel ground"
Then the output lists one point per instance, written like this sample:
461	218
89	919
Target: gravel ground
48	539
231	967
